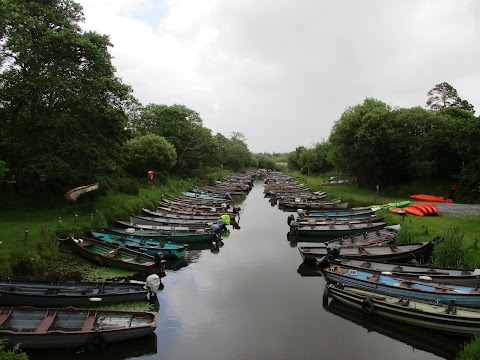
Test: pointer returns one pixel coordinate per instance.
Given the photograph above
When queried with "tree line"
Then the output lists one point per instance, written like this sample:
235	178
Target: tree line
385	145
66	119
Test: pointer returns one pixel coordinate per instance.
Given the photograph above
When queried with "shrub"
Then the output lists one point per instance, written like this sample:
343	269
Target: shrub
471	350
128	186
451	252
13	354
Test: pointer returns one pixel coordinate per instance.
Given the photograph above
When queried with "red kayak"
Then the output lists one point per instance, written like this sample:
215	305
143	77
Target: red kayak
413	210
431	198
422	208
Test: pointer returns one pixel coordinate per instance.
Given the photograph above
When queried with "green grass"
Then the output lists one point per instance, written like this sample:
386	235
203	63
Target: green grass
30	227
414	228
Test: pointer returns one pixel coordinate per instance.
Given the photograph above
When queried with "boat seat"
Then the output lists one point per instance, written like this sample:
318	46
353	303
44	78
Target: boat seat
373	278
46	323
132	259
4	316
393	248
89	322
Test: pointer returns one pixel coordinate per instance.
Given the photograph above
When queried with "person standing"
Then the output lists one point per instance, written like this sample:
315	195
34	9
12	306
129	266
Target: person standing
453	190
150	179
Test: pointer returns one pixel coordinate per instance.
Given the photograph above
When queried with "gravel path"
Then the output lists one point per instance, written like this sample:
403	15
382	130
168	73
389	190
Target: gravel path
456	209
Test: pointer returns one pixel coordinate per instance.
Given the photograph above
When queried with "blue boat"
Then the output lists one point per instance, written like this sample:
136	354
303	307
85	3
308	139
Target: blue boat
204	196
342	213
147	246
423	289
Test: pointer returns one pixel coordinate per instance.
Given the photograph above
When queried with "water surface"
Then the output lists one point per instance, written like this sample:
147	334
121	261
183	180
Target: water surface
253	299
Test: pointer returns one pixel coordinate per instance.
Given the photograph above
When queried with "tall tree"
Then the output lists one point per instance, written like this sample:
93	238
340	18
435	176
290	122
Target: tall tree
194	144
62	106
444	95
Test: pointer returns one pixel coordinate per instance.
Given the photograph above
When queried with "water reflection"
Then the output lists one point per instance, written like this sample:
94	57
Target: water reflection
440	344
307	268
146	345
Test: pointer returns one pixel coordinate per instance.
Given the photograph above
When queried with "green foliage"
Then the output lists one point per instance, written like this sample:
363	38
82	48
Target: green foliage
183	128
452	252
388	146
263	162
11	354
128	186
3	169
443	96
294	162
234	153
149	152
471	350
62	117
315	160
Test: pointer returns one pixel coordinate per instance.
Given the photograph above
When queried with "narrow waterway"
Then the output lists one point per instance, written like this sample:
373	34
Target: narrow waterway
253	300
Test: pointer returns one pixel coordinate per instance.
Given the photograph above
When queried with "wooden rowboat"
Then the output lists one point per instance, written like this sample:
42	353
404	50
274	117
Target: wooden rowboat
449	318
398	253
68	293
335	229
401	287
435	274
111	255
176	237
37	328
168	249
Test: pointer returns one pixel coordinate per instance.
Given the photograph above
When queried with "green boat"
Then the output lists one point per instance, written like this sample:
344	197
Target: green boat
106	254
176	237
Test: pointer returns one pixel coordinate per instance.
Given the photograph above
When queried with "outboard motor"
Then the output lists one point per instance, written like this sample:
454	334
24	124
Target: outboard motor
333	252
301	212
159	259
273	200
290	219
217	231
152	285
236	209
294	228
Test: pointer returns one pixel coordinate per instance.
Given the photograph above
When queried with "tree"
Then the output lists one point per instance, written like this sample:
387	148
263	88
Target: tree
295	156
234	153
62	106
443	96
149	152
182	127
315	160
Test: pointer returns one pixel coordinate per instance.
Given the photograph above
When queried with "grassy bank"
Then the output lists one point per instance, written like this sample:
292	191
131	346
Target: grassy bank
454	228
31	225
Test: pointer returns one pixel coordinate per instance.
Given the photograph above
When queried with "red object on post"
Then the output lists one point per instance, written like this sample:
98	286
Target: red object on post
150	175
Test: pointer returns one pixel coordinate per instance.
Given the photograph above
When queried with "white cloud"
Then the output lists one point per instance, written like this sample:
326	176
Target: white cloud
281	72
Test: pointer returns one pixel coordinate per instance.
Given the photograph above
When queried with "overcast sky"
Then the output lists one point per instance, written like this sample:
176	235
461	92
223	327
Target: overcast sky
282	72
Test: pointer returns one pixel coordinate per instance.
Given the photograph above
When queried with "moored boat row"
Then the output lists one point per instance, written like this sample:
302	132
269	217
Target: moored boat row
378	276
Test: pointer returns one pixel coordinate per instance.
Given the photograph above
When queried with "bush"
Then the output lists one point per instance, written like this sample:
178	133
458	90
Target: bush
451	252
471	350
128	186
14	354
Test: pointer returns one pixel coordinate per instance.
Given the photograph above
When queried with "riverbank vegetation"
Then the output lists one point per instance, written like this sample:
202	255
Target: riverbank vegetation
390	147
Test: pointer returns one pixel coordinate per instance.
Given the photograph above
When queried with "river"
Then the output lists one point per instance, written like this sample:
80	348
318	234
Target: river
253	299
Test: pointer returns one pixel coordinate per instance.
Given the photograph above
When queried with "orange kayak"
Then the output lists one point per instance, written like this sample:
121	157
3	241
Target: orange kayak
413	210
433	208
423	208
425	197
397	210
